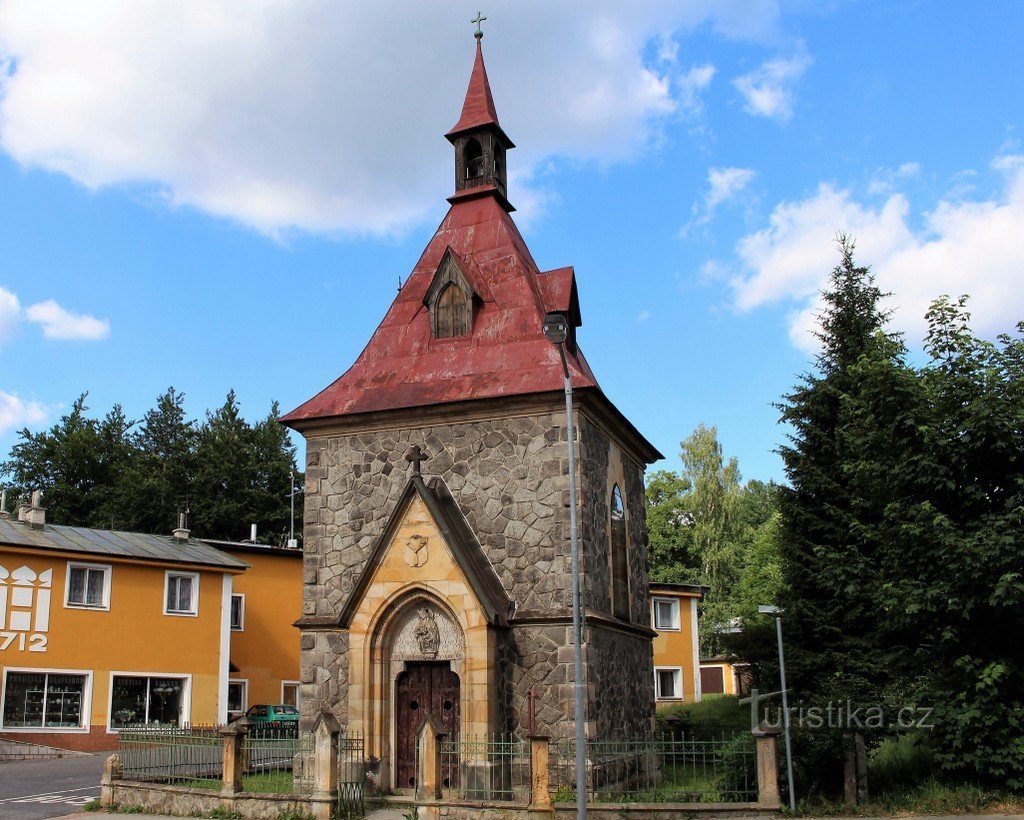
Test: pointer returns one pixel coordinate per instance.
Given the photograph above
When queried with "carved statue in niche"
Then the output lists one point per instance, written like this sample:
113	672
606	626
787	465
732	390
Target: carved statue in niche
426	632
416	551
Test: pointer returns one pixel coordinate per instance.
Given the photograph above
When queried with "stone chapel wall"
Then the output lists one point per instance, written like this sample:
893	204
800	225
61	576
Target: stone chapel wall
508	476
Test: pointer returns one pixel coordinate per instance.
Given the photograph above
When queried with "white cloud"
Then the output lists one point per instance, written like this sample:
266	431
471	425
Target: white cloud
885	180
968	247
724	184
58	323
327	116
15	412
767	90
643	316
691	85
10	310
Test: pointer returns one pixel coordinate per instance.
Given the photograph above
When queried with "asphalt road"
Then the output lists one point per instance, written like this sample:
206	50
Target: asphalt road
41	789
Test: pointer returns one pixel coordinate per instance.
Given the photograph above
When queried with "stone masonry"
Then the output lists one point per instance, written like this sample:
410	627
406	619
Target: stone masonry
508	477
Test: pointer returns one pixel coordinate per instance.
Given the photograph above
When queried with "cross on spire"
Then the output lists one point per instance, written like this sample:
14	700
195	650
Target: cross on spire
479	33
415	456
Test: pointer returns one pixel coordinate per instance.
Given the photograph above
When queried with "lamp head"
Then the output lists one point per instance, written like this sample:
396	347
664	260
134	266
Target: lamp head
556	328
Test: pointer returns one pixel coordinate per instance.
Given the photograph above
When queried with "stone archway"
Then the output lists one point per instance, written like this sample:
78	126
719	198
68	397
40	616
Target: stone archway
419	654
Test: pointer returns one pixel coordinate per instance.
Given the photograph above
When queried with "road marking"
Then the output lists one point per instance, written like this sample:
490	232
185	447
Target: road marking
26	797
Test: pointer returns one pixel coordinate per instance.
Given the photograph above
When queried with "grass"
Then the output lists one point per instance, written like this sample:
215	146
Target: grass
710	712
927	797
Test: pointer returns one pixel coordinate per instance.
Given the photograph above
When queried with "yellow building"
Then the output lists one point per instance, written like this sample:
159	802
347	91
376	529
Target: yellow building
265	601
676	649
102	629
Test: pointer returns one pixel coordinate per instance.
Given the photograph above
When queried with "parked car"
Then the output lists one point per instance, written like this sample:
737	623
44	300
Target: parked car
273	718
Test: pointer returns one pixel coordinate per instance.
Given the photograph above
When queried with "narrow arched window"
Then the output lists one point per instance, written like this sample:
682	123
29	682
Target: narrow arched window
451	313
620	557
474	159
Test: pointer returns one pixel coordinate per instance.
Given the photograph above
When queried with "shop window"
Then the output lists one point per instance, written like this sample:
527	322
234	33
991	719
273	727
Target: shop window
44	700
139	699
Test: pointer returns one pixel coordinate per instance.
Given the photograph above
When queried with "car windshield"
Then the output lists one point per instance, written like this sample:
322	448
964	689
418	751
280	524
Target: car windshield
286	710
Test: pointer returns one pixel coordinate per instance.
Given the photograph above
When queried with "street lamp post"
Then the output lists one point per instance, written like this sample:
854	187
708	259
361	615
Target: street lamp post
556	331
774	610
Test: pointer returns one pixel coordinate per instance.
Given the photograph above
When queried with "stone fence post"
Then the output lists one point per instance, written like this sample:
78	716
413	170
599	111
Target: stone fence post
766	740
540	788
428	741
326	731
111	771
233	759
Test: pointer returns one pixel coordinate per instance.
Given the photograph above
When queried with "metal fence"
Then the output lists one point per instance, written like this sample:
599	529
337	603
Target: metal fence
182	755
486	768
277	760
351	775
663	769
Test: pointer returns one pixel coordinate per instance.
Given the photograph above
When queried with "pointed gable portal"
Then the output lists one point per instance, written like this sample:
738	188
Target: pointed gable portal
450	299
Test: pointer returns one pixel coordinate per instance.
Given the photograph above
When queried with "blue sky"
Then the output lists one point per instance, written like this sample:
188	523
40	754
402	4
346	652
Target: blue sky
224	195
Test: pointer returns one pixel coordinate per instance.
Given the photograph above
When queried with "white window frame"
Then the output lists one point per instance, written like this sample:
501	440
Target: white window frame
186	694
241	612
298	691
244	683
107	571
194	611
86	701
677	677
675	613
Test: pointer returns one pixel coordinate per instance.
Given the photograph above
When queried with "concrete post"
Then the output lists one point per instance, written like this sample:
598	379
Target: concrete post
540	788
325	765
232	751
766	741
111	771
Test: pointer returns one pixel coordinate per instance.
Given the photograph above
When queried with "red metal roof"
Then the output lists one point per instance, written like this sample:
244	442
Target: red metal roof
478	109
505	354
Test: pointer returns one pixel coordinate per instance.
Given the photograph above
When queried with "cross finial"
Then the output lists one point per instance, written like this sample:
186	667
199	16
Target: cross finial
479	33
415	456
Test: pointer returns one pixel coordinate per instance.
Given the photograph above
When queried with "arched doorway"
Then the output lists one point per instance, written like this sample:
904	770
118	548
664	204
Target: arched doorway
426	689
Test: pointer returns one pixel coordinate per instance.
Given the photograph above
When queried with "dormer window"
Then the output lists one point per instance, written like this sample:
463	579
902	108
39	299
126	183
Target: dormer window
474	157
449	300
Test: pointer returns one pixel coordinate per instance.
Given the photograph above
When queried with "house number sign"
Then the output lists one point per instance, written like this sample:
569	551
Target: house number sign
24	609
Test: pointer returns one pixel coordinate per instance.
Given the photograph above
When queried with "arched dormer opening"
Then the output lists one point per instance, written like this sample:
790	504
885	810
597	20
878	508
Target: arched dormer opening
619	555
473	159
452	312
450	300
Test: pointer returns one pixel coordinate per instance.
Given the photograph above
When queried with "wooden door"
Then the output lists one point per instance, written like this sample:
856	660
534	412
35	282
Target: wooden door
712	680
424	689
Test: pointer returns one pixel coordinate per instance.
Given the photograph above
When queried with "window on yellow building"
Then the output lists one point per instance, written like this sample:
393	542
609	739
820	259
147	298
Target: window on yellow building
44	700
290	693
181	593
88	586
238	692
141	699
237	612
668	683
666	614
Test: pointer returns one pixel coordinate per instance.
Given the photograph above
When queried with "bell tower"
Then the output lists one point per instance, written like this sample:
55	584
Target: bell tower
479	141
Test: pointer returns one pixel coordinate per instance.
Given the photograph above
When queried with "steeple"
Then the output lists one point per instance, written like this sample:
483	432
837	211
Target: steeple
479	141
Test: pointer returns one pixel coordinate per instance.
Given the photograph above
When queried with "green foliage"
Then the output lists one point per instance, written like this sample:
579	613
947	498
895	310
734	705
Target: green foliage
902	536
92	805
711	711
705	527
119	474
221	813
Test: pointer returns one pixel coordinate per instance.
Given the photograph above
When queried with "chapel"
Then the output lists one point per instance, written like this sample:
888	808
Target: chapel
437	573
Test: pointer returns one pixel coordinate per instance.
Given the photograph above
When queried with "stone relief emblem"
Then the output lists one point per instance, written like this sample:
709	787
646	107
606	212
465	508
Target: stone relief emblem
426	632
416	551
